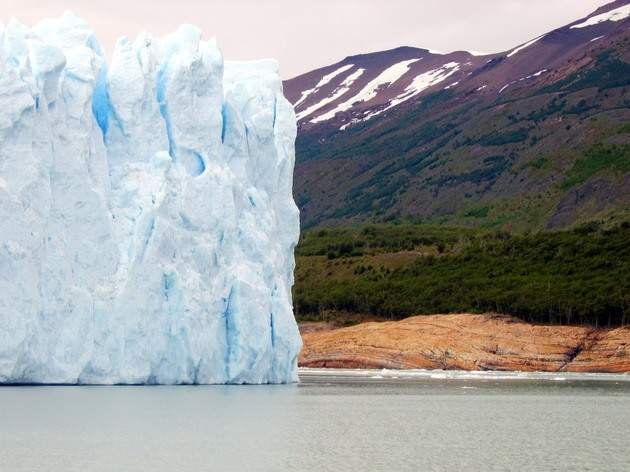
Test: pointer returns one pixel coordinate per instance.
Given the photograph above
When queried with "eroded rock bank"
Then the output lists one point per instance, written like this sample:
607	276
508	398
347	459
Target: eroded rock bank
468	342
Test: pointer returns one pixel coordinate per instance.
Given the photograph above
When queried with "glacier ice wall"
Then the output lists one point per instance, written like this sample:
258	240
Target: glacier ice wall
147	223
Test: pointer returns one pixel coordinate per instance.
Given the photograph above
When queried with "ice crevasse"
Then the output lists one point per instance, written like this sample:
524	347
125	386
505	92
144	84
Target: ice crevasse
147	223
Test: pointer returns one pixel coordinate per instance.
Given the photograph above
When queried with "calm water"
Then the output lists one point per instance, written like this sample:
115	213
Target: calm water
371	421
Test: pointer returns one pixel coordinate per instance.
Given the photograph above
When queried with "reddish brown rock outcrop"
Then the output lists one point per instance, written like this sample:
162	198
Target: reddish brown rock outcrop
468	342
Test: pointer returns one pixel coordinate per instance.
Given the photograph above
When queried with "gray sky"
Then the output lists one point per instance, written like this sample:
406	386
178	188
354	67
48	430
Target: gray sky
306	34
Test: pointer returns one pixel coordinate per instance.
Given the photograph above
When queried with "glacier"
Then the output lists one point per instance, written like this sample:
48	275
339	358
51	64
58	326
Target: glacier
147	223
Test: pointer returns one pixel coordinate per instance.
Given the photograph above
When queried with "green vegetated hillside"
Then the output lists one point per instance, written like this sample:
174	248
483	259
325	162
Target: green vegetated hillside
521	202
579	276
547	156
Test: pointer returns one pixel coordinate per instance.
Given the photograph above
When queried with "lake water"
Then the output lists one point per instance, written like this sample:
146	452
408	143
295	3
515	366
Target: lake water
332	421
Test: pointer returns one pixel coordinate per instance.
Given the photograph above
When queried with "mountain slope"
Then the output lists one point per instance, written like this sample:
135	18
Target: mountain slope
534	137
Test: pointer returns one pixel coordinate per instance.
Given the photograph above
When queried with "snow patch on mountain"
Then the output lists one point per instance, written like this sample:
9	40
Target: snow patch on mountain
418	85
537	74
618	14
367	93
524	46
324	80
428	79
339	92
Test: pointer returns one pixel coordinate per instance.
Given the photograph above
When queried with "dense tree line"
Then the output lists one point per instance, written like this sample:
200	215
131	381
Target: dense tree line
581	276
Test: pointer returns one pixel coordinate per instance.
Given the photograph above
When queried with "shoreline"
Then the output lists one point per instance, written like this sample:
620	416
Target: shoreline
368	375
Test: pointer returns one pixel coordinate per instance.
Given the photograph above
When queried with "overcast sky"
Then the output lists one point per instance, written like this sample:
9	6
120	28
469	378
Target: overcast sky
306	34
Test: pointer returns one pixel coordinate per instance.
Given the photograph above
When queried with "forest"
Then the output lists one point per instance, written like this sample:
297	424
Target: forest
390	271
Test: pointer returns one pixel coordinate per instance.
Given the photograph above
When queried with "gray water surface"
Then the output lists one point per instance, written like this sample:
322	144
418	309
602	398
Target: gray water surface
330	422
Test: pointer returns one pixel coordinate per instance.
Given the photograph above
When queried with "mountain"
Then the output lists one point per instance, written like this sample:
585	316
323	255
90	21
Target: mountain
531	138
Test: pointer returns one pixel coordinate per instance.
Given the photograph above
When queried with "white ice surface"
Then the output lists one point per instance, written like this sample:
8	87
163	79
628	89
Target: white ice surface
418	85
147	223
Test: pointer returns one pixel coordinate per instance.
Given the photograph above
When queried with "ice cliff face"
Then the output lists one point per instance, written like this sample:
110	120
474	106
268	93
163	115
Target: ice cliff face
147	223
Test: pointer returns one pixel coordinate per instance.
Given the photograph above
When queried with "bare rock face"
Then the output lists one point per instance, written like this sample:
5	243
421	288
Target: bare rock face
468	342
609	352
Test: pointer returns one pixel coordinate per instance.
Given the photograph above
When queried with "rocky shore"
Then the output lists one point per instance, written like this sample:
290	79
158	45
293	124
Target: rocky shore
467	342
